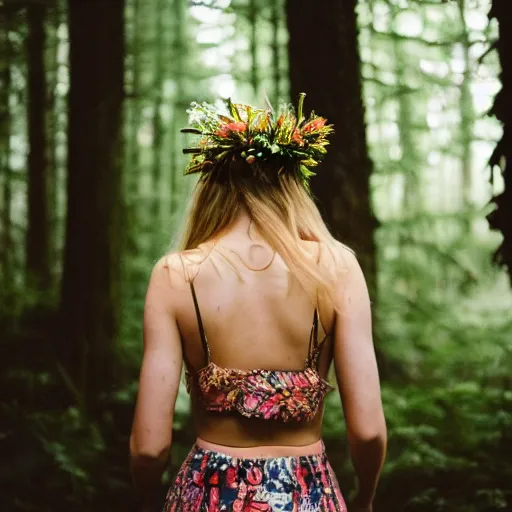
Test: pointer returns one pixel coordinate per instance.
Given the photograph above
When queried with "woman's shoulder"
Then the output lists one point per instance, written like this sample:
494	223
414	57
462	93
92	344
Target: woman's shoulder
181	266
334	255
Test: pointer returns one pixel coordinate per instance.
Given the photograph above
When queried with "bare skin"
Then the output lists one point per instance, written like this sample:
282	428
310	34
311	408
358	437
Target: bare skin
256	315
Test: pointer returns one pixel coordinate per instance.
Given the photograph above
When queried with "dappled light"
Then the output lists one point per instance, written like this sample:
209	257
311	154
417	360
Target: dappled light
92	194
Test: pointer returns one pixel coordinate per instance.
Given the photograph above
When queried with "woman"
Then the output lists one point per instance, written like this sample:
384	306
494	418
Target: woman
257	304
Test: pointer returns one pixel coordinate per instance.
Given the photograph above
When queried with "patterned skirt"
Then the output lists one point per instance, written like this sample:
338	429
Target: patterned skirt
212	481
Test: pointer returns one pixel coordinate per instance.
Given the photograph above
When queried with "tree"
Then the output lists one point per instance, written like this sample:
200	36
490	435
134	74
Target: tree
38	228
91	276
325	64
157	122
181	54
252	12
500	218
275	18
5	149
467	117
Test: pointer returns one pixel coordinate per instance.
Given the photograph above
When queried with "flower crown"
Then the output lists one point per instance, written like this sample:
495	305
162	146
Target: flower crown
295	144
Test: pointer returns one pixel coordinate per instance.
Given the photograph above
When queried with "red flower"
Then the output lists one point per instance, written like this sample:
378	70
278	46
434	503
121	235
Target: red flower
213	506
297	137
254	476
228	128
231	478
300	473
298	397
198	478
271	406
314	126
214	479
244	501
300	380
257	506
295	501
250	402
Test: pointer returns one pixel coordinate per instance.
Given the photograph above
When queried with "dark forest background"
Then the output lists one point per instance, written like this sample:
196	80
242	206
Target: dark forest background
92	97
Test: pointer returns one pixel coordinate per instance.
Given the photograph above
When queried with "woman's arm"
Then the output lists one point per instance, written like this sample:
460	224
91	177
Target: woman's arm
358	380
158	388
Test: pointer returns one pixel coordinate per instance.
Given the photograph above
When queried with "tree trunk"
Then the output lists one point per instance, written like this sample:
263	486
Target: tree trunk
325	64
54	17
253	45
38	230
91	277
275	19
6	274
410	162
499	219
179	52
132	166
158	128
466	125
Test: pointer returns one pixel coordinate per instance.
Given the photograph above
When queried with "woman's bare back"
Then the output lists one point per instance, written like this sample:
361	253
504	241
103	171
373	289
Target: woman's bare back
256	315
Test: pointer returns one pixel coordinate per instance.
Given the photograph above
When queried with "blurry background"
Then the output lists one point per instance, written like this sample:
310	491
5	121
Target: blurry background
92	96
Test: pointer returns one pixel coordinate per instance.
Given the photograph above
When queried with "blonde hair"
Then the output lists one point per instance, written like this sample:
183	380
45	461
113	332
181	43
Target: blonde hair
283	211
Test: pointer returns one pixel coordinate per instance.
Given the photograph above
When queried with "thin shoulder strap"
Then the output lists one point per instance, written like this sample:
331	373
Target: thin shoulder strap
200	324
313	339
315	346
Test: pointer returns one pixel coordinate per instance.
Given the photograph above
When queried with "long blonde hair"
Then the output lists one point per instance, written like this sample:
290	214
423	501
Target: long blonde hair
283	211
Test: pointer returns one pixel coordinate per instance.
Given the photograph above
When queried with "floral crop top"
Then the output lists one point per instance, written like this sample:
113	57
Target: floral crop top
283	395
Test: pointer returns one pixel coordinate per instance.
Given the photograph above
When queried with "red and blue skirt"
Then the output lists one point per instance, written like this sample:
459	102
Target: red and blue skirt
212	481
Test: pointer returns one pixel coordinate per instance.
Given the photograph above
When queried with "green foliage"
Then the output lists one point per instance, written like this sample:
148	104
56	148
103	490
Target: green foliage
446	446
54	456
443	325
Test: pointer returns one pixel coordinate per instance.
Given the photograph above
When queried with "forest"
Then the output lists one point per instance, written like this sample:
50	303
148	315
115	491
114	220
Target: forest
93	95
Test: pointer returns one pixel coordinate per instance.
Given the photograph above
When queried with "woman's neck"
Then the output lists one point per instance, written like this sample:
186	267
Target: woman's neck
243	226
243	239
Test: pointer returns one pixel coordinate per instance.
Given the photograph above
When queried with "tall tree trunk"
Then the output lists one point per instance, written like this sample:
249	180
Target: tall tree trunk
59	131
38	231
91	277
410	162
275	18
53	16
253	44
325	64
132	166
179	51
6	275
499	219
466	123
158	128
